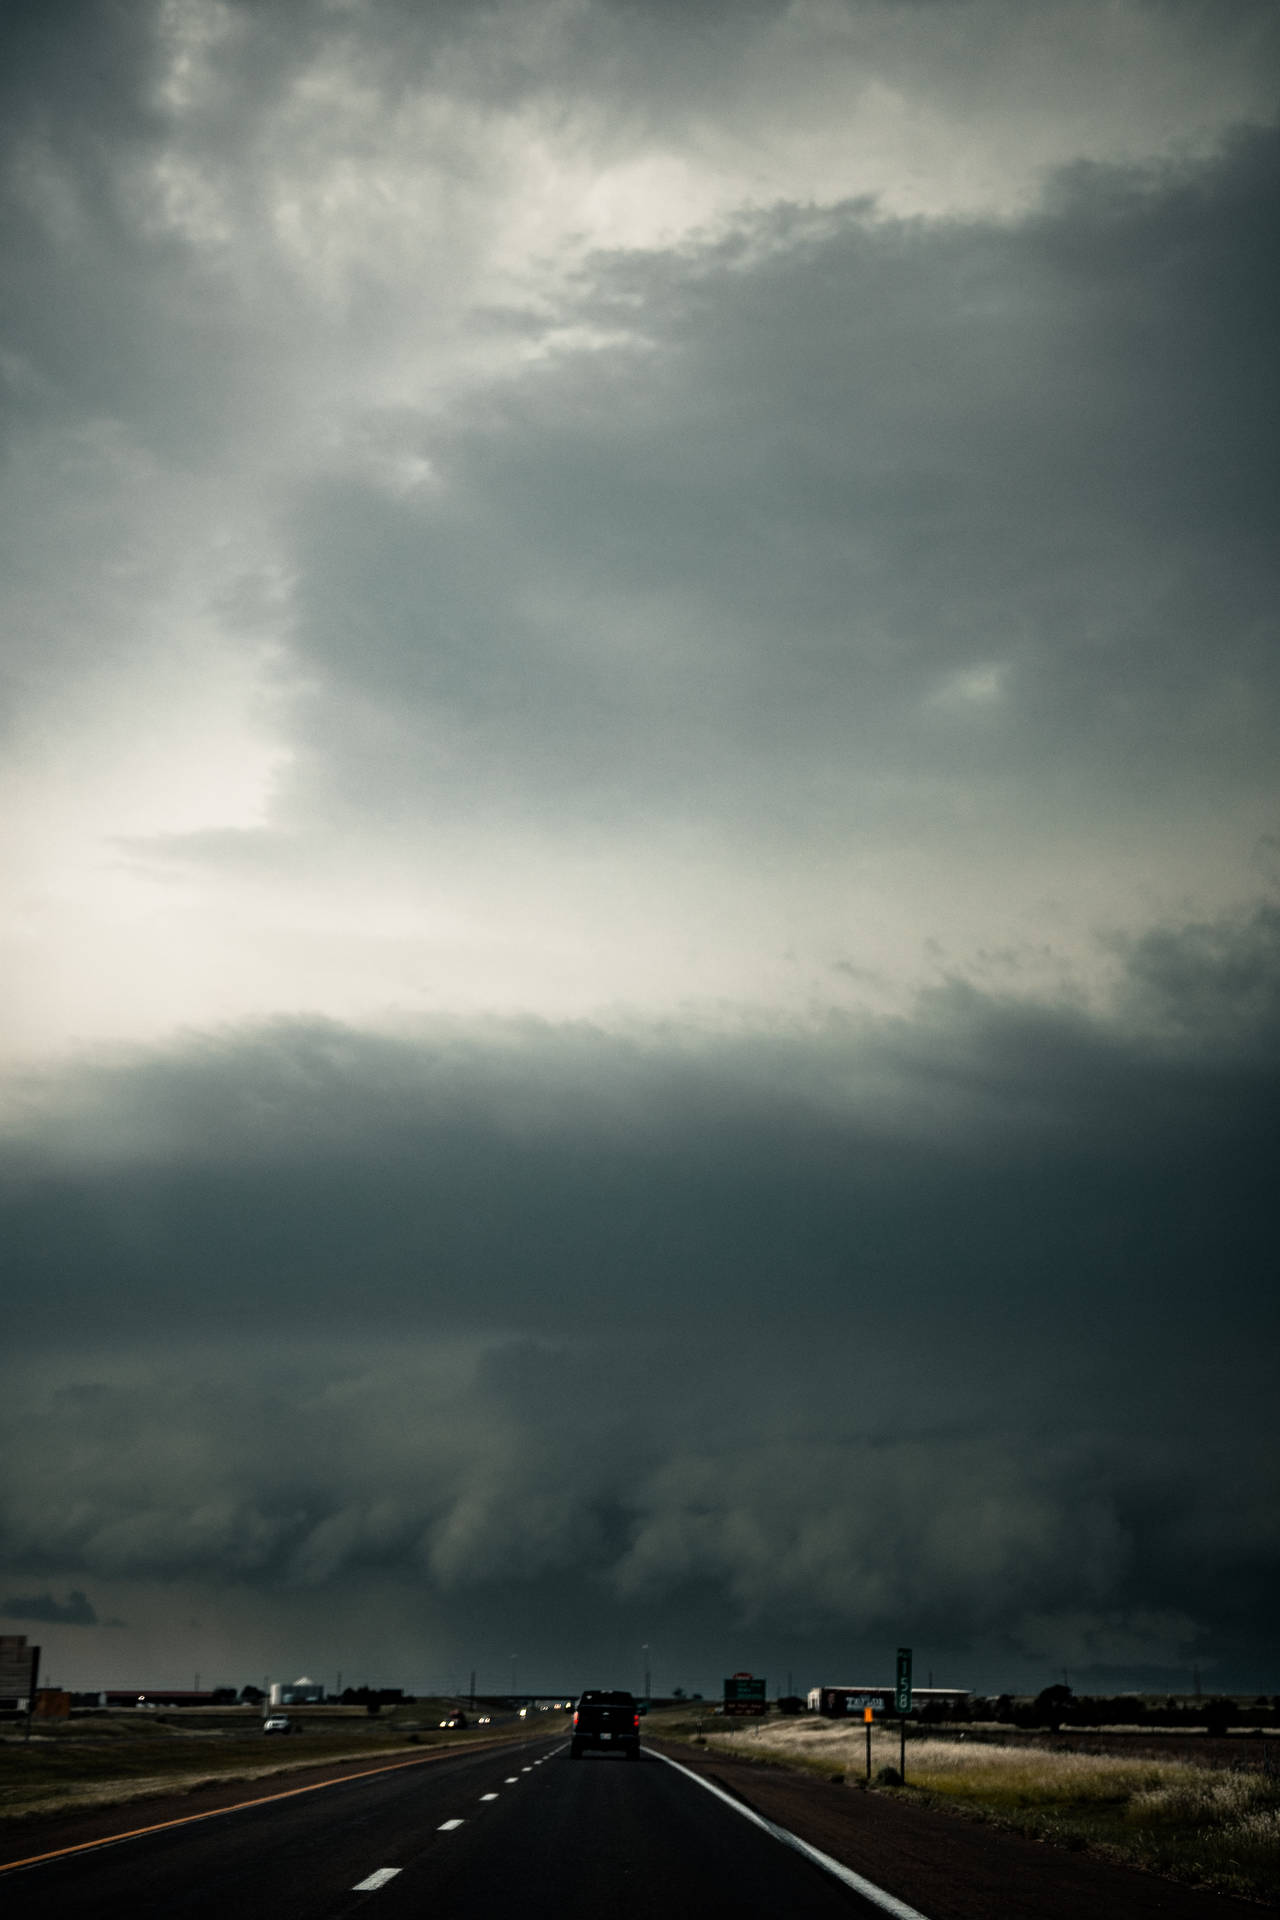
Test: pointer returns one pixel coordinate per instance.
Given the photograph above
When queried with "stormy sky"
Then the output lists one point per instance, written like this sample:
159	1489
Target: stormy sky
642	848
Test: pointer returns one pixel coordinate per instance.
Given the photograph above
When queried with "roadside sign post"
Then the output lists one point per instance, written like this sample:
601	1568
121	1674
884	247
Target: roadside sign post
745	1693
902	1701
31	1694
868	1714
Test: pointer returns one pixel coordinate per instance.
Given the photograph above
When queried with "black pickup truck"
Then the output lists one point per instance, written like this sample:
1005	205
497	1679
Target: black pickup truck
608	1721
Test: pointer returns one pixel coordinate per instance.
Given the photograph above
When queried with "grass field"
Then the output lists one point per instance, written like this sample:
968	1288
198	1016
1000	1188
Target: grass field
1210	1827
101	1759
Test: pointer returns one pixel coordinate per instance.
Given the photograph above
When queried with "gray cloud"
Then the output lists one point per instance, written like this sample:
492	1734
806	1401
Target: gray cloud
874	527
77	1611
578	1174
818	1329
376	1466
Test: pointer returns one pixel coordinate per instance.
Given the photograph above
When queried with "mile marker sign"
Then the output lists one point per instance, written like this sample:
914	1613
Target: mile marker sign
902	1690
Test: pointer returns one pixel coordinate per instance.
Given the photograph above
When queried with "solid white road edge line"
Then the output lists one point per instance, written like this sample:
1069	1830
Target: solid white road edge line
375	1880
867	1888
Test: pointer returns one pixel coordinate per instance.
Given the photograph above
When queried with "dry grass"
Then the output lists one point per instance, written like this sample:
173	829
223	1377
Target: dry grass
106	1759
82	1781
1211	1827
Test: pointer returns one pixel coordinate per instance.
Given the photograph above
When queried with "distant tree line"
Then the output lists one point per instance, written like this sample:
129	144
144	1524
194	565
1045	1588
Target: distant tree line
373	1698
1058	1706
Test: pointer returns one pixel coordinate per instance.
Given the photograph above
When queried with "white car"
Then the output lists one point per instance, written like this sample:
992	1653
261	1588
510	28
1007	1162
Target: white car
278	1723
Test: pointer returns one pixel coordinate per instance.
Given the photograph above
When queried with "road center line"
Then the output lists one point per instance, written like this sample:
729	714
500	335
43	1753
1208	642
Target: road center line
867	1888
375	1880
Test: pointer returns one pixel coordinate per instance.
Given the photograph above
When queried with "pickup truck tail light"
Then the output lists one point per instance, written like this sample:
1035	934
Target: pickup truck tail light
575	1719
636	1718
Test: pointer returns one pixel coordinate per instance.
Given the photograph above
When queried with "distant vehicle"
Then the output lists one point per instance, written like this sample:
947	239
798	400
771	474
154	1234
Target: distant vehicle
484	1720
607	1721
277	1723
455	1720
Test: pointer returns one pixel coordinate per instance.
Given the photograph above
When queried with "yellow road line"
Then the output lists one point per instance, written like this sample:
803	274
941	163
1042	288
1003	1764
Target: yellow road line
189	1819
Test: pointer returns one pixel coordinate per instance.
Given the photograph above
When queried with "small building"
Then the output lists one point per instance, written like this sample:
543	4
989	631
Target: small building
303	1692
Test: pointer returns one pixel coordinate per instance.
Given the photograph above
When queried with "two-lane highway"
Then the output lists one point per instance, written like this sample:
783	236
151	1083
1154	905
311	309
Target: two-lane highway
523	1828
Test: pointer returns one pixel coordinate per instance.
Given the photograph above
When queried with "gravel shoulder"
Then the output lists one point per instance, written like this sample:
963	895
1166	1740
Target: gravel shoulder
947	1865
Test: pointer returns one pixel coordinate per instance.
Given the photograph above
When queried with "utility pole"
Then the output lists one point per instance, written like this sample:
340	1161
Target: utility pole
32	1689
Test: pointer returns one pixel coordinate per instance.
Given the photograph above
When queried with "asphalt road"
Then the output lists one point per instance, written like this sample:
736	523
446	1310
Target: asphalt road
517	1828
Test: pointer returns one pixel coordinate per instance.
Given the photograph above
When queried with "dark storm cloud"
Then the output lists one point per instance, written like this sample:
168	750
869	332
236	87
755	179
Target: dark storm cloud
83	65
747	564
94	320
906	1316
77	1611
307	1471
570	1175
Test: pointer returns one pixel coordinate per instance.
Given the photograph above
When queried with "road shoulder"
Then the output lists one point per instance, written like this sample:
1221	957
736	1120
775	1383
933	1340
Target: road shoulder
948	1866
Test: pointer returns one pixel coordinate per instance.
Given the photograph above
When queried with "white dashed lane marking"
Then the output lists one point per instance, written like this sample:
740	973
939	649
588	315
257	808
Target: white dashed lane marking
375	1880
449	1826
488	1796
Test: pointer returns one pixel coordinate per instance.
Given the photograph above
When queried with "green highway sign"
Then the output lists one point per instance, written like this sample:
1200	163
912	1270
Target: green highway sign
745	1693
902	1688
